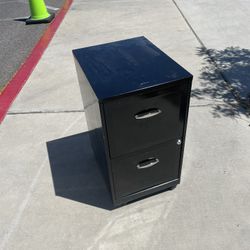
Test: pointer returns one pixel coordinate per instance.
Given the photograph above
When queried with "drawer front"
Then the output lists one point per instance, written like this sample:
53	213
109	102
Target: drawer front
139	121
146	169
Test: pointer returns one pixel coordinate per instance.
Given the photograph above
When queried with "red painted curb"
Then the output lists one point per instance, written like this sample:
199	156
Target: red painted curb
21	76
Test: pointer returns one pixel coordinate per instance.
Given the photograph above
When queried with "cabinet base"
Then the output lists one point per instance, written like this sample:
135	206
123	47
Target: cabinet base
146	192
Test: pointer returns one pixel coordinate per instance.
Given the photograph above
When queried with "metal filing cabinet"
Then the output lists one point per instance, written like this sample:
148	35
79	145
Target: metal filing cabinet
136	101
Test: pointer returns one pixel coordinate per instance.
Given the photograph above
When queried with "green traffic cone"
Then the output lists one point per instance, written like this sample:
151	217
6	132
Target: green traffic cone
39	13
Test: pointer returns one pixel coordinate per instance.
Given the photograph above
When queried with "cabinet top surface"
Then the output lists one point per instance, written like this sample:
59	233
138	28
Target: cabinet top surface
126	66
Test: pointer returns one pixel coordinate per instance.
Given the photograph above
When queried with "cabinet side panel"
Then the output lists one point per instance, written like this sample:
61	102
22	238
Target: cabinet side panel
94	122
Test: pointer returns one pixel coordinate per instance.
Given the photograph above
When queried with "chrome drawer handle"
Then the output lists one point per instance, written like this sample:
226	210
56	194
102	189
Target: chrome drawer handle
150	162
147	113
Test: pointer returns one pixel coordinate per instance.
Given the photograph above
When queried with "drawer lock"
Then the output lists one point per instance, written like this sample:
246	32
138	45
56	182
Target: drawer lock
178	142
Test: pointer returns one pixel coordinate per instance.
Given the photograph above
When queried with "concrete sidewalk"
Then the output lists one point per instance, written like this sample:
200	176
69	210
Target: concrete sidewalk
222	28
18	39
52	196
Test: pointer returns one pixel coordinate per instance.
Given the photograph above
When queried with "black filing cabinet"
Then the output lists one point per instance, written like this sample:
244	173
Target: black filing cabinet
136	101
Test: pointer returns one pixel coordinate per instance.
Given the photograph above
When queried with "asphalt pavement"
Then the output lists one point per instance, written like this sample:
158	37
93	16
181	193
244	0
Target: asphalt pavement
16	38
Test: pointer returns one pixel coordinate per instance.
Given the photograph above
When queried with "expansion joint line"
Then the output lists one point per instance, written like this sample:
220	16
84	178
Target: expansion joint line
45	112
245	104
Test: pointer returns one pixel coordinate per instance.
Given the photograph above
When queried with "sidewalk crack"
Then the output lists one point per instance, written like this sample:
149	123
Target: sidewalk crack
45	112
243	103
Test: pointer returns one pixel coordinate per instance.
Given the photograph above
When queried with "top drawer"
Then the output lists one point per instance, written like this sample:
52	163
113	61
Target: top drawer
145	118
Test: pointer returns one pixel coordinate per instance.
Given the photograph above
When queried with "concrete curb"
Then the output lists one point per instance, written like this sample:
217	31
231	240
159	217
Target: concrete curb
15	85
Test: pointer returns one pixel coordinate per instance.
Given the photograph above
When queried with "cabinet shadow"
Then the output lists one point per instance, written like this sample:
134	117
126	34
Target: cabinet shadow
75	172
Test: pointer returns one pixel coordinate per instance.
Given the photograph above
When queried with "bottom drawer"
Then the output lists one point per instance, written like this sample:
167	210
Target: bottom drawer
135	172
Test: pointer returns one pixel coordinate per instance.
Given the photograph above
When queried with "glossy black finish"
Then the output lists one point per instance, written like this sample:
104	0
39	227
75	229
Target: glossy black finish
128	134
159	164
136	104
126	66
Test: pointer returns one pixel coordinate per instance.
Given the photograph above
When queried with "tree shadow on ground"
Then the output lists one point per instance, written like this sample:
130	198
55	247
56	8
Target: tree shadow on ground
225	76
